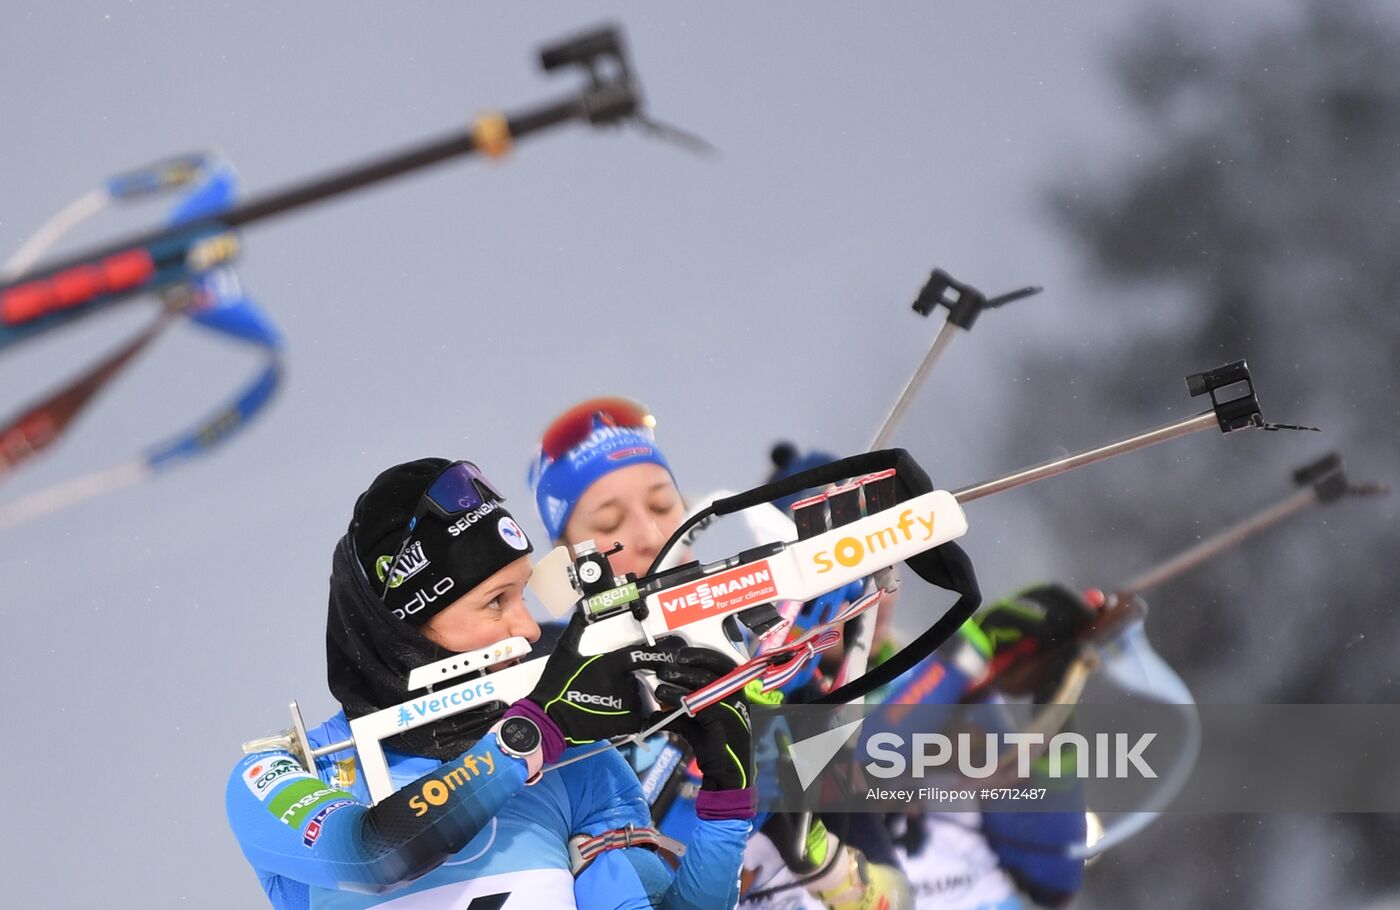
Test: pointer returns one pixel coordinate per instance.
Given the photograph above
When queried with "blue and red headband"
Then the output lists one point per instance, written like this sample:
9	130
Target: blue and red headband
585	443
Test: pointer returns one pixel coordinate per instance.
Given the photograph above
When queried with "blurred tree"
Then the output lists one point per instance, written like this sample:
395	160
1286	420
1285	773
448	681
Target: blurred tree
1259	218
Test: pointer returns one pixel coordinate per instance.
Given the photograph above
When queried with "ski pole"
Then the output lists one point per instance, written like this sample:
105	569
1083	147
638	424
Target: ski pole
965	303
1323	481
80	284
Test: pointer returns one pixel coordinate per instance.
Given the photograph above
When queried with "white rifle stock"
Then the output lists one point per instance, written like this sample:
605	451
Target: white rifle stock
696	607
692	604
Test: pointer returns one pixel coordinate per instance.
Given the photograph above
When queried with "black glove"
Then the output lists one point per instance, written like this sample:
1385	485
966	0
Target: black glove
1048	616
719	736
803	854
1036	631
593	698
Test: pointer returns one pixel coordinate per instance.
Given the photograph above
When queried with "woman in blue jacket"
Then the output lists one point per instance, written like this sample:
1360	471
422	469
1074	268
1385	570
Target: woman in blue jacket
433	565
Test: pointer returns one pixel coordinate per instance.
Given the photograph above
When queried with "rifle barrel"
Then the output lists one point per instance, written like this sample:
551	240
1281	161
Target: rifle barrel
1203	421
165	248
945	335
1218	543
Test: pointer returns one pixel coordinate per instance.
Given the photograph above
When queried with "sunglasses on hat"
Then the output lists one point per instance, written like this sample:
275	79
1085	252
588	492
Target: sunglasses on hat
459	487
579	422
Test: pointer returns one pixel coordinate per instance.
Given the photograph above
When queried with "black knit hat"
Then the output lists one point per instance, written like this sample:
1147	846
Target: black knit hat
441	559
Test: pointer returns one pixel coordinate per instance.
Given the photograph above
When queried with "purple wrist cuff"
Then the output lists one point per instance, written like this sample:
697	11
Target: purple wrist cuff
717	805
551	737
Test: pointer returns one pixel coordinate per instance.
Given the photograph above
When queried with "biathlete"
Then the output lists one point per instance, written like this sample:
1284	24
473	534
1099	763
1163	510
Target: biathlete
599	475
431	565
1022	645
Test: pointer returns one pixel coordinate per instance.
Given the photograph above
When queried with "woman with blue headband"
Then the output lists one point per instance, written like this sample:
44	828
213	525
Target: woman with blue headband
599	476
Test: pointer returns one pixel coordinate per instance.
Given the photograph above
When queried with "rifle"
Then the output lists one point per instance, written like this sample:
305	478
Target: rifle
88	282
711	605
1116	641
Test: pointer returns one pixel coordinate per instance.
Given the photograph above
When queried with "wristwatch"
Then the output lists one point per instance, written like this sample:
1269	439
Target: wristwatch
519	737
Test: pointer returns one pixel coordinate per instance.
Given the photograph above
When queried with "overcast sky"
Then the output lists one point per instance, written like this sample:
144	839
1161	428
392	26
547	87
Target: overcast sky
758	295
